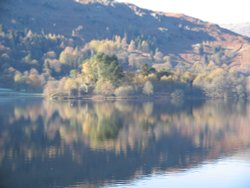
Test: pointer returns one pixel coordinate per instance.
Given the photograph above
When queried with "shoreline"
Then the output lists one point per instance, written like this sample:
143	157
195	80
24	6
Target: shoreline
128	98
8	93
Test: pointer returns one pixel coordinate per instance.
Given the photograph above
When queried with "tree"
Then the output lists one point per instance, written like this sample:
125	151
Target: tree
104	87
73	73
69	56
34	78
145	70
158	56
89	73
131	46
102	67
124	43
145	46
109	68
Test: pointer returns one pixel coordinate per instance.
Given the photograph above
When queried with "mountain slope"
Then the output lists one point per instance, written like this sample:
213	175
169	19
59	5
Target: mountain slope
104	19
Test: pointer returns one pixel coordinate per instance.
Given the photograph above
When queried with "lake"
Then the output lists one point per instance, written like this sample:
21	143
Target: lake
80	144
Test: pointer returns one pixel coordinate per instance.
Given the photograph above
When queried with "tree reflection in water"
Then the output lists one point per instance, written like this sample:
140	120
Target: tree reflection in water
48	144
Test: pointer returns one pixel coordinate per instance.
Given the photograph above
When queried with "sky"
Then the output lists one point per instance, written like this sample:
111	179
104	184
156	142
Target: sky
216	11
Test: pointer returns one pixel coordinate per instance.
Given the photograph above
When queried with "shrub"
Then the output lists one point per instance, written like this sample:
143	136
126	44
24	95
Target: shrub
124	91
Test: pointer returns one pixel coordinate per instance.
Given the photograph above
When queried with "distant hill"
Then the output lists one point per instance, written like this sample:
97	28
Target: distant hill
241	28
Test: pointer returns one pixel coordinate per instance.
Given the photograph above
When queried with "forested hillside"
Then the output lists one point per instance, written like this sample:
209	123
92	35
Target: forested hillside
79	48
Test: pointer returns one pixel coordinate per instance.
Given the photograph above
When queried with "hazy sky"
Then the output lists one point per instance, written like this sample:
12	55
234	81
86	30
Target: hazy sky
217	11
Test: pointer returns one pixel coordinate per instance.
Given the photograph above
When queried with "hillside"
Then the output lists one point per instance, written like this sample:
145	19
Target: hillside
49	40
105	19
241	28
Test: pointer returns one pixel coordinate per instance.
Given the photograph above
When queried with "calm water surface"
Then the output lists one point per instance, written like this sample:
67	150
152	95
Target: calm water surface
46	144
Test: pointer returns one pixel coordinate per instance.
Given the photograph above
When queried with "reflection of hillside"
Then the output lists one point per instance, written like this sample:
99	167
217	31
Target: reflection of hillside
92	141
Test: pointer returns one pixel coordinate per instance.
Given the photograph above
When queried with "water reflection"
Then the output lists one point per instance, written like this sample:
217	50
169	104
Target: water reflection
49	144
